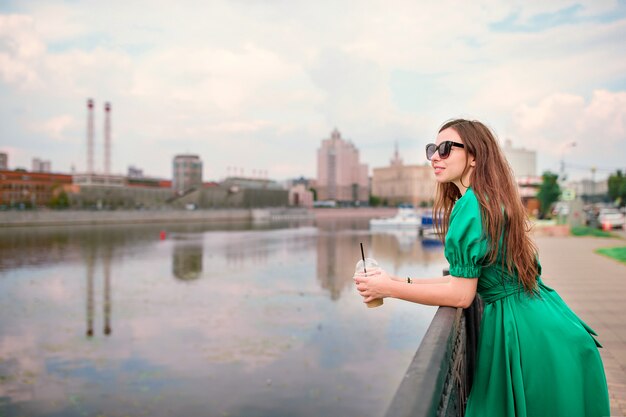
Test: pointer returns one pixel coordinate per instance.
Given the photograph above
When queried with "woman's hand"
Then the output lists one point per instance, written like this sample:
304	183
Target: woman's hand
373	284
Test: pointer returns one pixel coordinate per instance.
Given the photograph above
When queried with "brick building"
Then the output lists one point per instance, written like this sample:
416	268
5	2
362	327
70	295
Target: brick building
30	188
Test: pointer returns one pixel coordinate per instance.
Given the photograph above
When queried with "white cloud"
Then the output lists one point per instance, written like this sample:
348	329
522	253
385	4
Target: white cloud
20	49
19	38
527	8
56	127
213	78
237	73
607	114
103	72
597	126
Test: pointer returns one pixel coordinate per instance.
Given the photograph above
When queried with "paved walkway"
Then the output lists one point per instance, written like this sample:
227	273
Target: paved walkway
595	288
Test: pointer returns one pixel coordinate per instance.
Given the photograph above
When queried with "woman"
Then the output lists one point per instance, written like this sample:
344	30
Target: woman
535	356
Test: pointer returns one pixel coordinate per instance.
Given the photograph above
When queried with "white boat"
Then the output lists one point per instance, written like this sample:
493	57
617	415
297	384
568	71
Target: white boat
429	233
405	218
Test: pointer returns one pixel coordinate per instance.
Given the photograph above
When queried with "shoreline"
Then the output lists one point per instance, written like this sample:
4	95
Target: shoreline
37	218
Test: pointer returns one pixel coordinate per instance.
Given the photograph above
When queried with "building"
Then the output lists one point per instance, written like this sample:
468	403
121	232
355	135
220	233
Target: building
528	188
234	192
134	172
306	182
588	190
300	196
101	191
39	165
340	175
147	182
86	180
252	192
30	189
399	183
187	173
4	161
522	161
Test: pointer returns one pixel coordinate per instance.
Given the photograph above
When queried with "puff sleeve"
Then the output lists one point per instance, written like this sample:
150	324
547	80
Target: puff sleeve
466	245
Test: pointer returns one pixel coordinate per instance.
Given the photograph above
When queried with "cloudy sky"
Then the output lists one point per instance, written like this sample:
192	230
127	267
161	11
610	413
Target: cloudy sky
258	84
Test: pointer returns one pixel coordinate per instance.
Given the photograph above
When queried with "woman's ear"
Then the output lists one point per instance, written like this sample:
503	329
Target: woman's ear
472	161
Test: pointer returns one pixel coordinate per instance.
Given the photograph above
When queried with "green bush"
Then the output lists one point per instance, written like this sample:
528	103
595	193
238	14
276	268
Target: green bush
60	201
590	231
375	201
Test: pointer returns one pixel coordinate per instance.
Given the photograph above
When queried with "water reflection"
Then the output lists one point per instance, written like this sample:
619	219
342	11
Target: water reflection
336	256
396	250
338	250
187	261
278	322
44	246
107	290
90	301
90	264
246	249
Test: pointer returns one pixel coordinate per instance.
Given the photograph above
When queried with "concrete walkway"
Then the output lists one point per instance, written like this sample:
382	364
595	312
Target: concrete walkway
594	287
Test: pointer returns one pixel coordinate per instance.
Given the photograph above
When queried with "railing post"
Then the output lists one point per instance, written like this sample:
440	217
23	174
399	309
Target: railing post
439	379
473	316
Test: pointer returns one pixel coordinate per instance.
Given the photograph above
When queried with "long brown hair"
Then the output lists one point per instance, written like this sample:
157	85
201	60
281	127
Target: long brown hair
502	212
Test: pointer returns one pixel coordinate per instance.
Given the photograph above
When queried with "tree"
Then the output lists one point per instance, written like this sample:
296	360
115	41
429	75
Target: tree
60	200
617	188
375	201
549	192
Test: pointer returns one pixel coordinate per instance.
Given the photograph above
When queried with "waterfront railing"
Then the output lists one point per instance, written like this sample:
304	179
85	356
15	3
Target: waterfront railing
439	379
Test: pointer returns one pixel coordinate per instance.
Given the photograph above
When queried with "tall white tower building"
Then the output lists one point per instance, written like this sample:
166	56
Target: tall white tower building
522	161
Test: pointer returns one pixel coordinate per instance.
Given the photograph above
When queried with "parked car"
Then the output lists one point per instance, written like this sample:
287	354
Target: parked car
610	218
561	208
591	217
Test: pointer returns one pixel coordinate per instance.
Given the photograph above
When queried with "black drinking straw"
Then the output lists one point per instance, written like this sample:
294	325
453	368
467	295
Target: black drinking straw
363	256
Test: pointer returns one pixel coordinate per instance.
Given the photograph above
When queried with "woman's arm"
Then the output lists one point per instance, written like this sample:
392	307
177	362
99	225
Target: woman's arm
438	280
457	292
441	291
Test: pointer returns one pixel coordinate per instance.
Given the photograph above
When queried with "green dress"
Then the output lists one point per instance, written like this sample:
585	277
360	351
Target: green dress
535	356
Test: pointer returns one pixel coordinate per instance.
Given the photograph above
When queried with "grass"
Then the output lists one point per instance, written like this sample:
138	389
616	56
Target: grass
617	253
590	231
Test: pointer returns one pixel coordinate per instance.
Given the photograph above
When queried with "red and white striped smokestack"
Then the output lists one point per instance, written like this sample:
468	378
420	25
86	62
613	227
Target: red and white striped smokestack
89	136
107	138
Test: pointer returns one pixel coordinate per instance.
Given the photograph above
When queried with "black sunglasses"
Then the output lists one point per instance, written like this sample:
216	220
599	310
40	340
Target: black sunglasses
443	148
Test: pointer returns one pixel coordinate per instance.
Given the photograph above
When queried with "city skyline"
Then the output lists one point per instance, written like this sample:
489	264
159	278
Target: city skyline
277	78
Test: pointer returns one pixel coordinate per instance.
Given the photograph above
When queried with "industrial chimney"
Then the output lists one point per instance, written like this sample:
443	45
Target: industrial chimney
89	136
107	138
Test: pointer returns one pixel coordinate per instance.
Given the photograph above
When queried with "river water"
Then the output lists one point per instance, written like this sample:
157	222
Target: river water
199	320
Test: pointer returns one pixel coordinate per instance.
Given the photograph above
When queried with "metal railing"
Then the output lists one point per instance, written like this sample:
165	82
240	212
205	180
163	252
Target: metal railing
439	379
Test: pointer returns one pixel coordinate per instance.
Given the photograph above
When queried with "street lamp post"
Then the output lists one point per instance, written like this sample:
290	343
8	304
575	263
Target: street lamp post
565	147
593	185
563	217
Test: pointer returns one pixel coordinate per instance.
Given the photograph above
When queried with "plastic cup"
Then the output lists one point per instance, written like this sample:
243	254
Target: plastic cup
369	265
